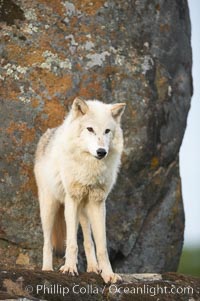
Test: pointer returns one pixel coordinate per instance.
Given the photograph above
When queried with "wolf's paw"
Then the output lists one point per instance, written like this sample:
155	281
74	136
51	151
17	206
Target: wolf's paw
93	268
111	277
70	269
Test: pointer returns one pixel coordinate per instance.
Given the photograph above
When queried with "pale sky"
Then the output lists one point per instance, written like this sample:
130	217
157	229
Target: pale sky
190	149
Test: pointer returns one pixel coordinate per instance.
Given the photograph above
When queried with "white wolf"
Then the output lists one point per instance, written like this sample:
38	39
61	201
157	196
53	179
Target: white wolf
76	166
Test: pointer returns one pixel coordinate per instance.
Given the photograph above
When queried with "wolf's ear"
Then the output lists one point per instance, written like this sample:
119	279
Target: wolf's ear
79	107
117	110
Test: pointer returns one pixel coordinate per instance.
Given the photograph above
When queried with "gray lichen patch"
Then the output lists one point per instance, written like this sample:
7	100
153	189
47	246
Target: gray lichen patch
96	59
89	45
147	64
70	8
53	62
13	71
30	15
71	11
30	29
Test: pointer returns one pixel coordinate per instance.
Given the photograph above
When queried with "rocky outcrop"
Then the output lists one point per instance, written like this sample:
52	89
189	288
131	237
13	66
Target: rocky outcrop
37	285
136	52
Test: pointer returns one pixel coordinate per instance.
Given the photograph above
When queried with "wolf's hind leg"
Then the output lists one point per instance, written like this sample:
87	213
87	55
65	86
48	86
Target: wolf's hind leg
92	265
48	209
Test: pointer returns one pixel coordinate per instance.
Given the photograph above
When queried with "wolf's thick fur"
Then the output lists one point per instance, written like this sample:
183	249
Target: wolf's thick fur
76	166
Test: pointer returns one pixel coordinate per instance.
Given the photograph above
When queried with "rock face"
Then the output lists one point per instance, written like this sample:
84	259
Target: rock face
37	285
136	52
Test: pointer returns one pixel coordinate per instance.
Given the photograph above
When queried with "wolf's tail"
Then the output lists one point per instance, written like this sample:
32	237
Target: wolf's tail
59	232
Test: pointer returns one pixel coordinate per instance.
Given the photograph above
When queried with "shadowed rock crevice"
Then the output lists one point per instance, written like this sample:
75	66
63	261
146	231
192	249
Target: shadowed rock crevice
10	11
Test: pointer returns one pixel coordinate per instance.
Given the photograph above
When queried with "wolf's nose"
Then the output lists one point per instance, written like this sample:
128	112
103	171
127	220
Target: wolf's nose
101	152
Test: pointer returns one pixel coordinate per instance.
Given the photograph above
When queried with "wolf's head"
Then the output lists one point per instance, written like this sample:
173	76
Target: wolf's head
97	125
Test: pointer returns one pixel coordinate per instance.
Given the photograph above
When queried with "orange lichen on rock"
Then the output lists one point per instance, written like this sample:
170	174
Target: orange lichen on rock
55	111
30	184
27	134
56	84
14	52
56	6
53	83
28	55
5	87
35	103
55	114
88	7
91	88
154	162
32	57
44	42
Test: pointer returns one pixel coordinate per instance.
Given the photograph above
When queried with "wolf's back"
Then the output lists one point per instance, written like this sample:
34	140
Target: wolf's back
44	143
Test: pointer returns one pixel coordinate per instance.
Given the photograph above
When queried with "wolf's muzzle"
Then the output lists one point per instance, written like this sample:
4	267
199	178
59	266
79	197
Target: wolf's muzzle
101	153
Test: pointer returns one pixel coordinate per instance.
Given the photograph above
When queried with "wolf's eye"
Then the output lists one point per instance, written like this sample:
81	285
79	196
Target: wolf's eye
107	131
90	130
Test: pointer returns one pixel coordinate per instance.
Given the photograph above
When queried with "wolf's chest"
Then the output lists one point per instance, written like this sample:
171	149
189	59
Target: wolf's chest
85	193
87	179
89	175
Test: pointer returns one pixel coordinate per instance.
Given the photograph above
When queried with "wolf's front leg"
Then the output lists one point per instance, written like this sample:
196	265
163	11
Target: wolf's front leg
96	213
92	265
71	218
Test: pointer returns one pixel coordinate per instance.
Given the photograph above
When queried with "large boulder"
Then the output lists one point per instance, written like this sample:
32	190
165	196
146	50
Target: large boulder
136	52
